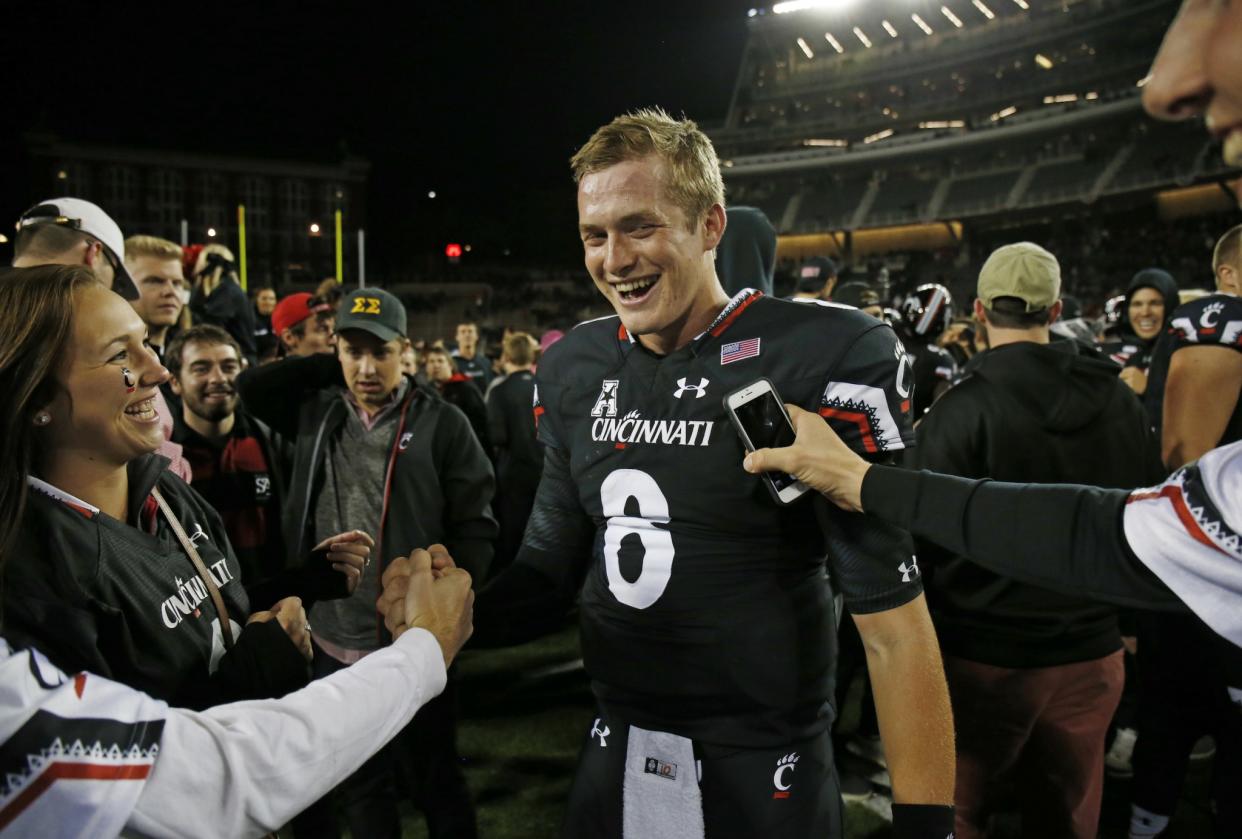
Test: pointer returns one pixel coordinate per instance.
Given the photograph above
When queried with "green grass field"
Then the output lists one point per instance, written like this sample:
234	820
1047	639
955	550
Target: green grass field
526	710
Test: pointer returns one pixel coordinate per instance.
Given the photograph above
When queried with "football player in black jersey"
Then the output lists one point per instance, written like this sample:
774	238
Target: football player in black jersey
1196	366
706	615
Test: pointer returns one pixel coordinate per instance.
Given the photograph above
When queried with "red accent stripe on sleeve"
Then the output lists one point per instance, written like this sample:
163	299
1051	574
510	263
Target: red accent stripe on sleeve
70	772
1174	494
859	419
622	334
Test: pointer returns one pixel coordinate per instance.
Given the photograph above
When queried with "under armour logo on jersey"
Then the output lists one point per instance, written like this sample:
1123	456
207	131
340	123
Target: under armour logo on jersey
405	441
197	534
910	572
606	405
700	390
788	763
603	742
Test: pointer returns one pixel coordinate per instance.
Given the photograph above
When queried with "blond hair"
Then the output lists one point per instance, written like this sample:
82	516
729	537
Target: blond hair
1228	250
693	171
210	273
152	246
519	349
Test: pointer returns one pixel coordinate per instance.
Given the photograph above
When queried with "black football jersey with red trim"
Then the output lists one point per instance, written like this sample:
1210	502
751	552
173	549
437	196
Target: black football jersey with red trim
1215	320
706	610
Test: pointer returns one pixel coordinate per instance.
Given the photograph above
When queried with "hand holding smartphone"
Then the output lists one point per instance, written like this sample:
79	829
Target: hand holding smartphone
759	416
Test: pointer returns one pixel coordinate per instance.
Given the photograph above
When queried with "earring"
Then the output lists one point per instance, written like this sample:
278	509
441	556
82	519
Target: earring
42	418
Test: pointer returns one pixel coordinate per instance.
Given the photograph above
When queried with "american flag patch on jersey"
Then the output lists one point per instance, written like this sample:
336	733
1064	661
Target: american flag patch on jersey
739	350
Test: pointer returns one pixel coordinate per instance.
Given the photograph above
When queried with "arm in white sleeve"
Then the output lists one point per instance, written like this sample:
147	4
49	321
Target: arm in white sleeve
247	768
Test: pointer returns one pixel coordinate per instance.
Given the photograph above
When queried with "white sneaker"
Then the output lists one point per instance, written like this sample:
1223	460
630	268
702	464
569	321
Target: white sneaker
1117	759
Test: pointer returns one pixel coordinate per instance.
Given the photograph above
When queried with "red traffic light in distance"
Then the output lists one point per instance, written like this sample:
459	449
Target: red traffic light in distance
452	250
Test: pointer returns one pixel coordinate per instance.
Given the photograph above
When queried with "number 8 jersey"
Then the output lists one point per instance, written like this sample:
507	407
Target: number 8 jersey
705	607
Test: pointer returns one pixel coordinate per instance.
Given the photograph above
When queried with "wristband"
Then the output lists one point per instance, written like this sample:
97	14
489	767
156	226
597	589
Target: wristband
923	821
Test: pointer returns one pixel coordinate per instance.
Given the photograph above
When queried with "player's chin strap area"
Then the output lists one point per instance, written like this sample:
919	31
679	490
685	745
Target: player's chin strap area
660	798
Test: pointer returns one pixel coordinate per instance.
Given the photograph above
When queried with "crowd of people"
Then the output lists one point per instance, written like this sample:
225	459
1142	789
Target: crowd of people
1004	510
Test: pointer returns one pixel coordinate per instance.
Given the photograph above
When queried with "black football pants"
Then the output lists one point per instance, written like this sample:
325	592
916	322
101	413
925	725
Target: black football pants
743	790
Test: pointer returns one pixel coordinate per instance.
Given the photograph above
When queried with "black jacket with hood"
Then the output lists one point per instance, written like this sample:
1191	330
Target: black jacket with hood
111	597
1129	350
439	478
746	255
1031	413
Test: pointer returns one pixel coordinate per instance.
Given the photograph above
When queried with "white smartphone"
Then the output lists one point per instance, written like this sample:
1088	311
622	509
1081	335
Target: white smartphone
759	416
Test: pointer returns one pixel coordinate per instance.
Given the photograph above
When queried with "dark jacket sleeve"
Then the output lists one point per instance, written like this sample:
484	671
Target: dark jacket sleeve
467	483
532	596
275	392
263	664
496	417
1062	537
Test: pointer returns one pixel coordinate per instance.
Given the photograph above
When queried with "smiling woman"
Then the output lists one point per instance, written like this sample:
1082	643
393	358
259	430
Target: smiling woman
99	571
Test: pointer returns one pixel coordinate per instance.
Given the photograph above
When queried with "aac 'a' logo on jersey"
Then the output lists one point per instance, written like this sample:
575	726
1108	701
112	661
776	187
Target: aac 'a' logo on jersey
606	405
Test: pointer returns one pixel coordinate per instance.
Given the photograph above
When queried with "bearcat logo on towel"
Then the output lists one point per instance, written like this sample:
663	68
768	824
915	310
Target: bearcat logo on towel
655	766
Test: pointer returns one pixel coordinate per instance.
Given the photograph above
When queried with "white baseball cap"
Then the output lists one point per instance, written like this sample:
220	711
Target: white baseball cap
82	215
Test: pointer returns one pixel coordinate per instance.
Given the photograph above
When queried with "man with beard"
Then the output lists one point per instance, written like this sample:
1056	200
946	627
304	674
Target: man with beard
233	454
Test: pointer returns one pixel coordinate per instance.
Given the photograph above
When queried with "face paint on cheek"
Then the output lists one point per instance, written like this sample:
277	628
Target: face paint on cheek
130	383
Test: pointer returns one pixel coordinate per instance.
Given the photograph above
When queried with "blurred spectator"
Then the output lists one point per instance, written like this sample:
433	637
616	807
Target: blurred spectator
1035	676
305	325
549	338
470	362
155	265
330	291
860	296
1145	311
925	315
266	342
218	299
457	389
377	453
959	341
817	279
746	255
519	456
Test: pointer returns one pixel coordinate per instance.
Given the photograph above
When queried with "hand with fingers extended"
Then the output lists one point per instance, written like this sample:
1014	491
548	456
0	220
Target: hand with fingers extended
416	595
292	619
349	553
818	458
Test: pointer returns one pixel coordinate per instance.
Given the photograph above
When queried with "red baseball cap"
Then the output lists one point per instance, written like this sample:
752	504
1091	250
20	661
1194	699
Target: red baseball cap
294	309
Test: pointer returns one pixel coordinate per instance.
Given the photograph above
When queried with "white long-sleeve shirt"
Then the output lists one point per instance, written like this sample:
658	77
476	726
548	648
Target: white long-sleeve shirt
85	756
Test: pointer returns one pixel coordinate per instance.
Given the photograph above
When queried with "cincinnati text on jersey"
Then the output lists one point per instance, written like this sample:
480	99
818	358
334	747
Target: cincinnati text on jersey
633	429
191	593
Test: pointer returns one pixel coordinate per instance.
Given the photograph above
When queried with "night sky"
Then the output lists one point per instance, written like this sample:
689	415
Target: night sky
481	102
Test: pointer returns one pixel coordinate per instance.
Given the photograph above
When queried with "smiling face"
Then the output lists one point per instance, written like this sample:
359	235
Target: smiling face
1146	313
1199	71
94	417
206	382
372	367
655	266
160	284
265	302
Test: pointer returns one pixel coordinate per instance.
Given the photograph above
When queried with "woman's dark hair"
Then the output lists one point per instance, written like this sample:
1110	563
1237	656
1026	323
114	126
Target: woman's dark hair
36	327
